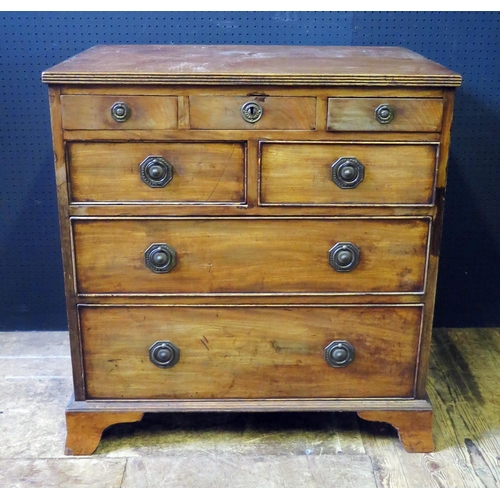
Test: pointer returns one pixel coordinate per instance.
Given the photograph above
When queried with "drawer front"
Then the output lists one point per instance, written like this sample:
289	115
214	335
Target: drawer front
335	174
157	172
278	113
408	115
95	112
250	255
249	352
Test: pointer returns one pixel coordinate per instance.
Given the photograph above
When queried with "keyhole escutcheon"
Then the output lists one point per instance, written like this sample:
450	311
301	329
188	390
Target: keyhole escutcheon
251	111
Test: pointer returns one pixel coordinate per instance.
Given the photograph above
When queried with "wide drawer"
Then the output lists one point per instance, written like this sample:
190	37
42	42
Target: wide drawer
278	113
157	172
205	256
95	112
335	174
381	114
250	352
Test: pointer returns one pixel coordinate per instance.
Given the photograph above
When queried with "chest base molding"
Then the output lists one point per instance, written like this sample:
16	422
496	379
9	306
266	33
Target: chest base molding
86	420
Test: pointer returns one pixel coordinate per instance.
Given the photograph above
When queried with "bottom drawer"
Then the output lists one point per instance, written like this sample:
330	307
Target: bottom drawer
250	352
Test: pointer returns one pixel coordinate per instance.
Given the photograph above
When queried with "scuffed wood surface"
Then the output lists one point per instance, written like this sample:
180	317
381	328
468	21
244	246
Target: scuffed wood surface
463	385
465	389
226	64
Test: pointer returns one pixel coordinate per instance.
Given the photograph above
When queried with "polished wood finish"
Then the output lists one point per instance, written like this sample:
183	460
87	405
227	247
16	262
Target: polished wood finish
84	429
234	255
236	352
410	115
251	212
202	172
83	112
414	428
279	113
301	174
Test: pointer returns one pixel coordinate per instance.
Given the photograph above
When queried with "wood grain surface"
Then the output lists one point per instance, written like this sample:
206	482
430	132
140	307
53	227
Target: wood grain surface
410	115
301	173
251	214
250	255
84	429
93	112
414	427
249	352
239	64
279	113
462	384
202	172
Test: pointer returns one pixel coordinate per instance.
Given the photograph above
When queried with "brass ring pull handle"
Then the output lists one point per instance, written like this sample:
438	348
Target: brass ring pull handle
120	112
348	172
251	111
339	354
384	113
344	256
156	171
164	354
160	258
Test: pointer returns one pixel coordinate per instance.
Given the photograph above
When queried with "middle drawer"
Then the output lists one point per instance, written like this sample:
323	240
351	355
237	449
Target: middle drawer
230	255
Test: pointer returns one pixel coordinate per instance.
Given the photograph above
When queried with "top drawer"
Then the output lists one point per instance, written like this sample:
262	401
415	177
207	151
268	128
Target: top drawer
103	112
252	113
384	115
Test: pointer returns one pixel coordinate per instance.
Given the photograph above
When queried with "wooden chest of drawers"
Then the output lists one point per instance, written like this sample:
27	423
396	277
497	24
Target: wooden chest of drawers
250	228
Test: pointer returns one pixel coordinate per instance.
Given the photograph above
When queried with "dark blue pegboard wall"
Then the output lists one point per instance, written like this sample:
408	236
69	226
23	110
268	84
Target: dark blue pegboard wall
31	287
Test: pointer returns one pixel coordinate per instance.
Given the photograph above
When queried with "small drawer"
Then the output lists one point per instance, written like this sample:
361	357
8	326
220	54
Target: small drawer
247	255
104	112
165	172
167	352
381	114
252	113
352	174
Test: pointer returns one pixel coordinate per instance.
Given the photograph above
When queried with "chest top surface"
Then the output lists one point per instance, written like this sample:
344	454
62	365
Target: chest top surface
251	64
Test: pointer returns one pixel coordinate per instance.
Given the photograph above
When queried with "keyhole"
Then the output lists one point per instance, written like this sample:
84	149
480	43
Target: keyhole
251	112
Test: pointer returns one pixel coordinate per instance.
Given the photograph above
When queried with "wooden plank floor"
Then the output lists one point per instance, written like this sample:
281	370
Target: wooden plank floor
252	450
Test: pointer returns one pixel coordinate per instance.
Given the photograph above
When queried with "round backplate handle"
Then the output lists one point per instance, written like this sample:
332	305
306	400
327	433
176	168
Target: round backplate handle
160	258
339	353
384	113
164	354
348	172
156	171
344	256
120	112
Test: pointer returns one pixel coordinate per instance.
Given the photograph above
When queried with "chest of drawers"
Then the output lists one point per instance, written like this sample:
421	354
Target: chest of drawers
250	229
